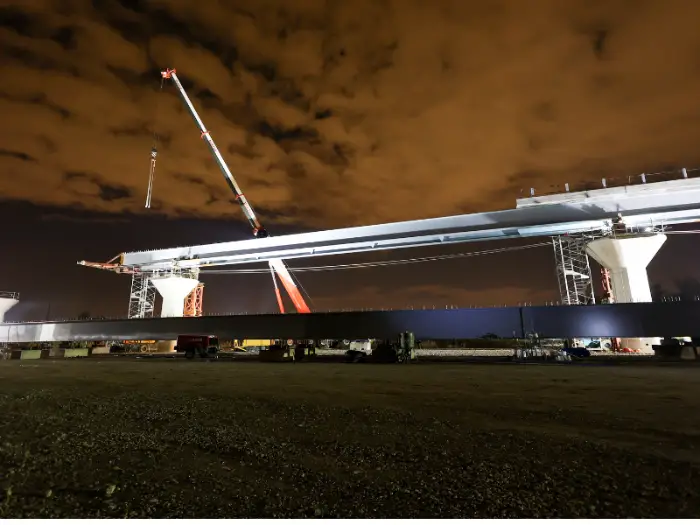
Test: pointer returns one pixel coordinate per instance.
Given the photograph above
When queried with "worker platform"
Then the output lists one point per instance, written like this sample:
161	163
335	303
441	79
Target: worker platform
645	206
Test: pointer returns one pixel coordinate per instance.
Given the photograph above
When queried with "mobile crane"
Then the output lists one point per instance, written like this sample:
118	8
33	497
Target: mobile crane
276	265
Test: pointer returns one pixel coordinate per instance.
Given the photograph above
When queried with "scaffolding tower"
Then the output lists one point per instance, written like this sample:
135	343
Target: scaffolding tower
573	269
142	299
193	302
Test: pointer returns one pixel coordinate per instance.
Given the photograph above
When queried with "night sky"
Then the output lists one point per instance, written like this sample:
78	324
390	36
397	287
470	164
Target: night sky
330	114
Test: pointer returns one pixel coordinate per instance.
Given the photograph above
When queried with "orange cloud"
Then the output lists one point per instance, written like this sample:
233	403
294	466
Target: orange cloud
342	113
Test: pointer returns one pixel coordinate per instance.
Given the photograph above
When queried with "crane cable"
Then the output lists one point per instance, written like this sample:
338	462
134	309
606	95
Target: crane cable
154	154
353	266
308	296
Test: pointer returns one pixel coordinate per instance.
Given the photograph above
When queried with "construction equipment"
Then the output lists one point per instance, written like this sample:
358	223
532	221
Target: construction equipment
152	169
114	264
277	353
292	351
198	345
151	176
254	345
131	346
277	265
399	350
258	230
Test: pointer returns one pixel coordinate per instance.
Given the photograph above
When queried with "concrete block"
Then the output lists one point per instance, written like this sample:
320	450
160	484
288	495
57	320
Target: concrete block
76	352
32	354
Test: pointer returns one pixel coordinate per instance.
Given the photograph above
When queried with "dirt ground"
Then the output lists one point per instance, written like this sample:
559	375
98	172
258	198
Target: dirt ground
169	438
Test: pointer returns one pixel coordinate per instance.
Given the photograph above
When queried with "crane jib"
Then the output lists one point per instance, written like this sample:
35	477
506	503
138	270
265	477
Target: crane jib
258	230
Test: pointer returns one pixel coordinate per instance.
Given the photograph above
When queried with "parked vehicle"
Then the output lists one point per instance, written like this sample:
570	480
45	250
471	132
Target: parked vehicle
198	345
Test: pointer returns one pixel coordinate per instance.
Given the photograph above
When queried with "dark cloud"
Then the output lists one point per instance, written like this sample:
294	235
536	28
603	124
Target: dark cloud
341	113
17	155
113	193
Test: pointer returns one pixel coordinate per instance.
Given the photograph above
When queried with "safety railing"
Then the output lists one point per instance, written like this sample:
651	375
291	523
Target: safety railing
611	182
9	295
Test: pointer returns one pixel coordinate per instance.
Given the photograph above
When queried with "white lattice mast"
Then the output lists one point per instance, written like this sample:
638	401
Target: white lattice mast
142	298
573	270
144	288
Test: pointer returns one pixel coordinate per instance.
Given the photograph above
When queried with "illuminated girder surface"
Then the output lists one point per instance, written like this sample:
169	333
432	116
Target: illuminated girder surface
670	202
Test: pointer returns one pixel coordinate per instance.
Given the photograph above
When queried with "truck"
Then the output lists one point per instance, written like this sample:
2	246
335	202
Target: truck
198	345
361	345
398	350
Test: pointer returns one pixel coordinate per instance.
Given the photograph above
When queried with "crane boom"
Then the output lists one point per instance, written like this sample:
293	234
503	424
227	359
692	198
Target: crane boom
294	294
276	265
258	230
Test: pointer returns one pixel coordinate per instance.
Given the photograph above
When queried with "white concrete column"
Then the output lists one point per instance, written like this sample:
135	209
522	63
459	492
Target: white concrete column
174	291
627	258
5	304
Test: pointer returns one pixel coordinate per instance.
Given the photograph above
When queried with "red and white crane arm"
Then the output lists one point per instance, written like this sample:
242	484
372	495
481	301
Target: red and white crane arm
276	265
258	230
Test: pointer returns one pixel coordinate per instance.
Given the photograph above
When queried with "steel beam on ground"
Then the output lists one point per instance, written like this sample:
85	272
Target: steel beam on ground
613	320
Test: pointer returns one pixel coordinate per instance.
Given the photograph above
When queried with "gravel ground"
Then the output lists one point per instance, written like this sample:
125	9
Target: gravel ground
164	438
